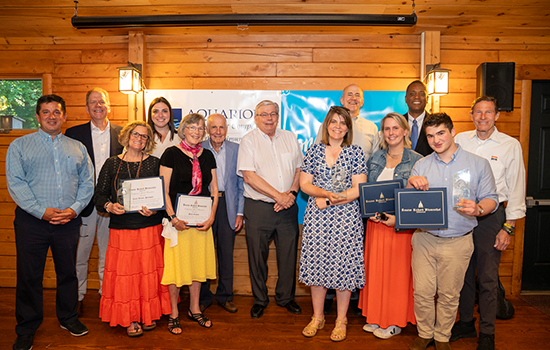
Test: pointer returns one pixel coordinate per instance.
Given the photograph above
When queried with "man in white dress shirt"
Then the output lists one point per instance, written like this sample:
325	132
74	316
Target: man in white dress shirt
269	161
365	132
492	235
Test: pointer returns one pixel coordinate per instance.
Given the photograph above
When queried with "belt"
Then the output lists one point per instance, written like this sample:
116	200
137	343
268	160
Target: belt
221	193
466	234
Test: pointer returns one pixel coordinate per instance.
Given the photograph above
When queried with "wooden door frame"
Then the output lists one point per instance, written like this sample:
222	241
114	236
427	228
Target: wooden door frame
525	74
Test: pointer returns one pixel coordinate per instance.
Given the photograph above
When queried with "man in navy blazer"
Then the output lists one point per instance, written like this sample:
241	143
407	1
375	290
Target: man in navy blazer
416	101
229	215
101	140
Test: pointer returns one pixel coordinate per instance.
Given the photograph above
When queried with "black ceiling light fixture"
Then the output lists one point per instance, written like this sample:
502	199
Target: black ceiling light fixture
236	19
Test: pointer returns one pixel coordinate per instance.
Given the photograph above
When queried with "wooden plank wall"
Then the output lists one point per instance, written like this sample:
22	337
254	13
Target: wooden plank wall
255	61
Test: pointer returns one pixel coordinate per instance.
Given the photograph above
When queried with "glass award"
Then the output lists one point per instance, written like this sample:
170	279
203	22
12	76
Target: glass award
338	174
461	186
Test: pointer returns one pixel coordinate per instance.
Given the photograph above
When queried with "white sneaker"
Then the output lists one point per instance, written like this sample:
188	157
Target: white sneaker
370	327
387	333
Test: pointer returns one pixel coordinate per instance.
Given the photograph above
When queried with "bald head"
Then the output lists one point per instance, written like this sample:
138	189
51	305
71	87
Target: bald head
352	99
216	126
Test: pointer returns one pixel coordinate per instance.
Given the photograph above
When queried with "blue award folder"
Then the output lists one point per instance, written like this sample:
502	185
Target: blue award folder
421	209
378	197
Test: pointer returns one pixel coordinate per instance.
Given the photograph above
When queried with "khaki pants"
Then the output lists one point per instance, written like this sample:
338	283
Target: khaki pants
438	266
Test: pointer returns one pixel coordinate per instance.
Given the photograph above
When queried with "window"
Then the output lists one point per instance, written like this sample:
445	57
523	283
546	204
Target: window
18	99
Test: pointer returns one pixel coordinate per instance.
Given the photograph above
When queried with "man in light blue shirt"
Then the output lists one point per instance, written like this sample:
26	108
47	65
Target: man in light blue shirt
50	178
440	257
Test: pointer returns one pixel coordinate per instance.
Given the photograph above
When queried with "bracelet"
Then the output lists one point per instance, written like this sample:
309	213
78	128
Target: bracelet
106	206
480	209
509	229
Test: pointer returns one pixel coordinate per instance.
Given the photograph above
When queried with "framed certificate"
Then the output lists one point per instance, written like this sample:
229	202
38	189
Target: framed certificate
193	209
143	192
378	197
421	209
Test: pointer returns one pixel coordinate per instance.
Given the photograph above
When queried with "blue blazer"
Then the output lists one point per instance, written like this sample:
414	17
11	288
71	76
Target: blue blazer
83	133
233	184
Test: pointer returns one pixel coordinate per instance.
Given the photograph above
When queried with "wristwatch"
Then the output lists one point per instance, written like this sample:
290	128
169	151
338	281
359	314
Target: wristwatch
172	217
480	210
328	202
509	229
294	193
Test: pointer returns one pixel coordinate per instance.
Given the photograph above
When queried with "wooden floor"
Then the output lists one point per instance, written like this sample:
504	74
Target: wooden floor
277	329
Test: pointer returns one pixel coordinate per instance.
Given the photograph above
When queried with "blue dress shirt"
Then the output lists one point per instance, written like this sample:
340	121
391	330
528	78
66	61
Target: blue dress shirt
440	174
42	173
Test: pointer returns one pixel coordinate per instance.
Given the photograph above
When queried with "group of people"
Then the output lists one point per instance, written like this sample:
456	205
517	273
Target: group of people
146	256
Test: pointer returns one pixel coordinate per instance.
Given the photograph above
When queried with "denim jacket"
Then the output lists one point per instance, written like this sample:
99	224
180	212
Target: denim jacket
377	163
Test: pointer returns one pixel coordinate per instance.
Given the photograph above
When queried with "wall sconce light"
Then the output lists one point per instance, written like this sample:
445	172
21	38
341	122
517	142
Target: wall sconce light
129	78
6	123
437	80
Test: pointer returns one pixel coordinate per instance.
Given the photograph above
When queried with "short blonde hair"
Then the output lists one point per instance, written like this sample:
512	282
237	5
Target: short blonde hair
344	113
124	137
402	122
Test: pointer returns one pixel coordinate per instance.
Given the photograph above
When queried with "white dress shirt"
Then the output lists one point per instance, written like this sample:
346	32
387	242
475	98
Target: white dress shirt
101	141
274	160
506	159
419	121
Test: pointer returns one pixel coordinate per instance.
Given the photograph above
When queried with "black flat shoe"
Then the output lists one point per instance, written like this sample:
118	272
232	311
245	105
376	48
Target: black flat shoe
23	342
257	311
292	307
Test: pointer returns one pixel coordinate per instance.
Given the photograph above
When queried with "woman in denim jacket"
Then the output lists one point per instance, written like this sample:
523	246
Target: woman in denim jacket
387	298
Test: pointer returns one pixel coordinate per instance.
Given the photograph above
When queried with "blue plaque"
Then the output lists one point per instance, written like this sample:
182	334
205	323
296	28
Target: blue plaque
421	209
378	197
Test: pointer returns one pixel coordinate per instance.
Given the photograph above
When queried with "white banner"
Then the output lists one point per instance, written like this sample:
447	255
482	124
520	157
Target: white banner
237	106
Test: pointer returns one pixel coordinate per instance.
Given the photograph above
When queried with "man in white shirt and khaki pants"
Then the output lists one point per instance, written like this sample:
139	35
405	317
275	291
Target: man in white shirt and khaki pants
492	235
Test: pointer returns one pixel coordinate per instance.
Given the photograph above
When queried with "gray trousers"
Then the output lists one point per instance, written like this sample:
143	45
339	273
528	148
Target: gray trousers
96	223
484	263
263	225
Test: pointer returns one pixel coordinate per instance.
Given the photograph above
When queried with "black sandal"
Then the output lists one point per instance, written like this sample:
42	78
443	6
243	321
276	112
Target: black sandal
174	323
199	318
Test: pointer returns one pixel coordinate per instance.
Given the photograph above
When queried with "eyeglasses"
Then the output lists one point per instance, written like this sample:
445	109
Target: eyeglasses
195	128
137	134
272	114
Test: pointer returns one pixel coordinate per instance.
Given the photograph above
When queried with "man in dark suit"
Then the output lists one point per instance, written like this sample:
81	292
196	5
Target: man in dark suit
229	215
416	101
101	140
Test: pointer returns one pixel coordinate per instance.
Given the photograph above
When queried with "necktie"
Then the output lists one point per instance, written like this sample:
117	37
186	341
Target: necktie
414	134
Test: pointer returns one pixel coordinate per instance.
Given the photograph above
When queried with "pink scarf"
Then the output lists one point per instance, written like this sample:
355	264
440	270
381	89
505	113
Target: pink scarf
196	180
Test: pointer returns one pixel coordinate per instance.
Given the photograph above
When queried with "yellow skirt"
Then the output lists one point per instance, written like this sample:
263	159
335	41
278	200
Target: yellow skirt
192	259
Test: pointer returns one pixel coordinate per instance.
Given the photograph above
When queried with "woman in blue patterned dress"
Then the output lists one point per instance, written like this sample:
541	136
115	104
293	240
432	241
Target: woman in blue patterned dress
332	235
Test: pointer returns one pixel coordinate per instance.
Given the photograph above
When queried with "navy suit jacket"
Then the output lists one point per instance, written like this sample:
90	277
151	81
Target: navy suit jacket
83	133
422	145
233	184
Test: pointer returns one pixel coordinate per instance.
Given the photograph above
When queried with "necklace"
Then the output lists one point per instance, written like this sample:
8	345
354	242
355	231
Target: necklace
394	155
128	167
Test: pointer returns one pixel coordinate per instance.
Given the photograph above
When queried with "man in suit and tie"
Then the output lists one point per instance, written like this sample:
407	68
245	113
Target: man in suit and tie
229	215
101	140
416	101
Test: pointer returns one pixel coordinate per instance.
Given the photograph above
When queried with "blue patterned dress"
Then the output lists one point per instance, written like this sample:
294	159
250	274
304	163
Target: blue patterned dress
332	238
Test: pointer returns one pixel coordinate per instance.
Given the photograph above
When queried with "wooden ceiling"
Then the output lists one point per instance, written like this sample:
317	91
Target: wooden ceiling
47	20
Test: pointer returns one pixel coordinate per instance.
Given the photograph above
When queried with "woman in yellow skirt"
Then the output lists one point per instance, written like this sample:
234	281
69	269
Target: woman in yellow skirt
189	256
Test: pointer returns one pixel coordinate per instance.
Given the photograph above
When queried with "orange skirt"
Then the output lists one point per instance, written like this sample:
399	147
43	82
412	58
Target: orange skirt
134	265
387	298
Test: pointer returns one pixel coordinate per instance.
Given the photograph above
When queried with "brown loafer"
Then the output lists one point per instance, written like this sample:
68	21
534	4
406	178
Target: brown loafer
442	345
420	344
229	306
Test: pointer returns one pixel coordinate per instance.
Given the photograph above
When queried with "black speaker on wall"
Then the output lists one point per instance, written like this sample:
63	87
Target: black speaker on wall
496	79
